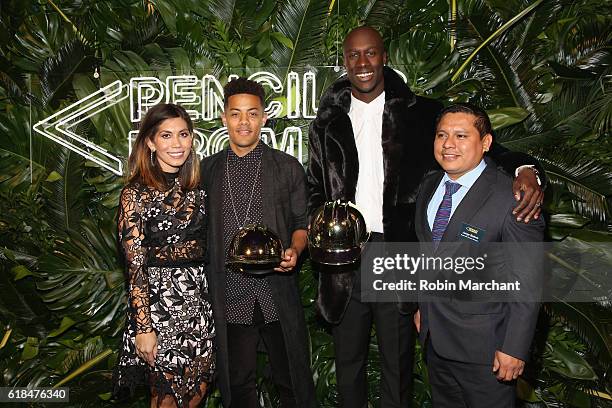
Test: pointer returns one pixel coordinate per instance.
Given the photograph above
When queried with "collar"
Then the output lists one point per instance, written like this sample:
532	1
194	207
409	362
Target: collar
378	102
469	178
255	153
338	95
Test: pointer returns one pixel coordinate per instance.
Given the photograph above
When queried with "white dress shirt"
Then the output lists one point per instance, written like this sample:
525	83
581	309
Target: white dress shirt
366	119
466	181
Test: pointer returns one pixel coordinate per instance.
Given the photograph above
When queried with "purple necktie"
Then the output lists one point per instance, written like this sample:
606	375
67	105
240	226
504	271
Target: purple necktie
444	211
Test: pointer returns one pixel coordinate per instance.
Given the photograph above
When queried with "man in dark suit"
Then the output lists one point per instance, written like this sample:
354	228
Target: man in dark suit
474	350
248	183
371	144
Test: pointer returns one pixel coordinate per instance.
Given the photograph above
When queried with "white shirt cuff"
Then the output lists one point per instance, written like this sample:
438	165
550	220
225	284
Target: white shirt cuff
528	166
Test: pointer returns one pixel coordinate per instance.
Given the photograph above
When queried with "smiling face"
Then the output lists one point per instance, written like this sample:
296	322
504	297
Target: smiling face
171	144
458	147
244	116
364	59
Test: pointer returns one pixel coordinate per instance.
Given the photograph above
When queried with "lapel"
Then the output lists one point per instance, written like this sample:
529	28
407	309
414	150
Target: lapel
216	206
471	203
342	156
427	190
395	134
268	185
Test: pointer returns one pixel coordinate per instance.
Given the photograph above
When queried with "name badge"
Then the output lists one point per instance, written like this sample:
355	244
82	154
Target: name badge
471	233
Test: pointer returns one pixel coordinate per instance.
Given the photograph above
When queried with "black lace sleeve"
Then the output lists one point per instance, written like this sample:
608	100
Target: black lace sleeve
131	236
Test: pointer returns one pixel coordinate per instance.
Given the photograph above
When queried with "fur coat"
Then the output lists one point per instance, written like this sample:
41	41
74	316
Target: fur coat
407	143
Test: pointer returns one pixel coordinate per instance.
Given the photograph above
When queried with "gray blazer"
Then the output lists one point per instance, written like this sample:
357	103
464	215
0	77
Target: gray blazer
284	211
472	331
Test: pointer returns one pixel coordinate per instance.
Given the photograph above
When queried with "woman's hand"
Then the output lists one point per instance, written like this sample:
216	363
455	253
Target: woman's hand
146	347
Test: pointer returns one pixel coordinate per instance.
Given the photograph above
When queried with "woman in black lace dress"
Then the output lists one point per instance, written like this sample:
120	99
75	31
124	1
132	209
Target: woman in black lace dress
168	342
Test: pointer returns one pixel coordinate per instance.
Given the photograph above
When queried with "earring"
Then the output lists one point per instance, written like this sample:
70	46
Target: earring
152	161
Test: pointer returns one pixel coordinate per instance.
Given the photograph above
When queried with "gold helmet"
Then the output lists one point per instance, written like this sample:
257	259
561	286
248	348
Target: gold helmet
337	234
255	244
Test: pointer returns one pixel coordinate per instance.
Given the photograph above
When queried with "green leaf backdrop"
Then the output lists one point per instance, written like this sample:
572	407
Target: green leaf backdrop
541	67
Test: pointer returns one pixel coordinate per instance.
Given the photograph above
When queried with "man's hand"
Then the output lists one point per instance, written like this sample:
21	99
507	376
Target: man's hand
530	205
289	260
146	347
508	368
417	320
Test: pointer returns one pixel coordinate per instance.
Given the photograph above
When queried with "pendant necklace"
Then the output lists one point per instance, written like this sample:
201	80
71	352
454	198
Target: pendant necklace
229	186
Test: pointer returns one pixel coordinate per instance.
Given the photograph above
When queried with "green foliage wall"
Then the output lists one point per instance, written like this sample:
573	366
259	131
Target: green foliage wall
542	68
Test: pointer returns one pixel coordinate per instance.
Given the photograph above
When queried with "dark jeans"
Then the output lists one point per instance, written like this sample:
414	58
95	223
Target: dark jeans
242	350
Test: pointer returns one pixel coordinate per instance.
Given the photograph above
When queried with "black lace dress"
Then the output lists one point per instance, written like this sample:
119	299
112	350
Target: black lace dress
163	239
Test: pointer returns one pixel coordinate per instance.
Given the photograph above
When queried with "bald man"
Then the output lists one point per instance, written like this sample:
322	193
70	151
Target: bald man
371	143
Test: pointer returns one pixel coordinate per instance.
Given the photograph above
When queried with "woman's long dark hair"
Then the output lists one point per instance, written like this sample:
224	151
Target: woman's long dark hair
142	169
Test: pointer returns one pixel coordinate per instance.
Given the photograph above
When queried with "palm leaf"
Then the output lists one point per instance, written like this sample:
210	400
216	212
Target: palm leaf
14	82
500	31
254	15
589	321
111	126
382	14
20	162
487	40
223	10
66	193
302	22
584	176
57	71
139	35
394	18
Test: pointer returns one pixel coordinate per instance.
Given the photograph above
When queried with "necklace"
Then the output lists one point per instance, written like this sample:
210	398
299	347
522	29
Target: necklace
229	186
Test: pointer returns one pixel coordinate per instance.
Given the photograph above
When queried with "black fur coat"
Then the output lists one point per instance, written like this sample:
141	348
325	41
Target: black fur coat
407	142
333	168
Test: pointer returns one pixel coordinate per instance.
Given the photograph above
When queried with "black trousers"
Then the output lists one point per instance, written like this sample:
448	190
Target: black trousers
456	384
395	334
242	352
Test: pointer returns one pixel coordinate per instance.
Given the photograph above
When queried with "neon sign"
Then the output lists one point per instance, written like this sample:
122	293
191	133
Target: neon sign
203	100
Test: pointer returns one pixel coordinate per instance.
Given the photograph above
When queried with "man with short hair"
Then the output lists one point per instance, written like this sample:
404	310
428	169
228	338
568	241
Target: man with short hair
371	144
475	350
251	183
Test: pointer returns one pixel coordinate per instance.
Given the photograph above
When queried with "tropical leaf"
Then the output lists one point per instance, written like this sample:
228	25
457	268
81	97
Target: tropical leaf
552	63
21	161
394	18
588	180
424	57
382	13
57	71
223	10
83	279
21	306
303	23
591	323
503	117
66	195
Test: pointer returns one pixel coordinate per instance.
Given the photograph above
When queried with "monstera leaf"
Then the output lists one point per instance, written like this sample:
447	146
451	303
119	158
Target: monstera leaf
82	279
425	57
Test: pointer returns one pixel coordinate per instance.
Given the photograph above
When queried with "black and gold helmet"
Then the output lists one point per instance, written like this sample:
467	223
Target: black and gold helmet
255	244
337	234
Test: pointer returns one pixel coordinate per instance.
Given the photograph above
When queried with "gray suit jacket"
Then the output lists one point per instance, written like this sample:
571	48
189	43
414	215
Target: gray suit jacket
467	331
